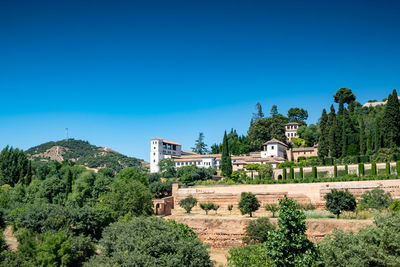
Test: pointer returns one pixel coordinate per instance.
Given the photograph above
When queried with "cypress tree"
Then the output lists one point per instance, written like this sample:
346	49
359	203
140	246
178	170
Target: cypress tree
335	171
226	161
373	169
284	174
361	169
363	144
391	122
314	172
28	176
291	173
323	145
387	168
346	169
398	167
334	143
377	136
301	173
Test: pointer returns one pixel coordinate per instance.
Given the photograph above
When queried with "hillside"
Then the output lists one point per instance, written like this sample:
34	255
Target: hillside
82	152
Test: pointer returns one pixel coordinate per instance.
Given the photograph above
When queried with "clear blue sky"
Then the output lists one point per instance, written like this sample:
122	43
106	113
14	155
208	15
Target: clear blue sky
118	73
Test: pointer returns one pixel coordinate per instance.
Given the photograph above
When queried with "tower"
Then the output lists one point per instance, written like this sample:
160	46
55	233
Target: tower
156	154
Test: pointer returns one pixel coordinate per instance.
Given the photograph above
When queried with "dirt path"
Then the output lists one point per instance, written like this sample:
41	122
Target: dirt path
219	256
11	240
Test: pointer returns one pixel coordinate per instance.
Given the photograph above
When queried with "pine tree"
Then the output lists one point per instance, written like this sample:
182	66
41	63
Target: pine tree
323	146
259	113
363	144
226	161
274	111
200	147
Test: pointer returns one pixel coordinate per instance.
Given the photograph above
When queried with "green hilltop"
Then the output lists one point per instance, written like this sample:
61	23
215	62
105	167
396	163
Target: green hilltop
83	153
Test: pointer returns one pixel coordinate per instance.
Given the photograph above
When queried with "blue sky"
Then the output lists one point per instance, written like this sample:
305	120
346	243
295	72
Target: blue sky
118	73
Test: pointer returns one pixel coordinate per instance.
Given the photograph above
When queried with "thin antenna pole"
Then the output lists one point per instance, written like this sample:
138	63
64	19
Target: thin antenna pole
66	132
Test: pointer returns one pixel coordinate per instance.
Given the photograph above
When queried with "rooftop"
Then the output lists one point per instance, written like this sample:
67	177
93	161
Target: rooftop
274	141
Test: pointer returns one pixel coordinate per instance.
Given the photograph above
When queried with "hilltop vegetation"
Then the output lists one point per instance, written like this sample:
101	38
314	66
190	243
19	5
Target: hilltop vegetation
82	153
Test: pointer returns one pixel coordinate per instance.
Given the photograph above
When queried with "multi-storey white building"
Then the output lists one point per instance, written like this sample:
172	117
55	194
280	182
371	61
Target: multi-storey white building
274	153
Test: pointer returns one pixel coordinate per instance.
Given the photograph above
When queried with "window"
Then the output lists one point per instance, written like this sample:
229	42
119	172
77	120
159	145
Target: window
154	148
154	154
154	160
272	147
174	147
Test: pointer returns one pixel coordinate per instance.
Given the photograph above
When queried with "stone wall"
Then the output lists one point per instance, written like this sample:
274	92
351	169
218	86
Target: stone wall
226	232
313	193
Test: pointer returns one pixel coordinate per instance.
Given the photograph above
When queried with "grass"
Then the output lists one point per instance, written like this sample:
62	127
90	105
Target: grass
318	214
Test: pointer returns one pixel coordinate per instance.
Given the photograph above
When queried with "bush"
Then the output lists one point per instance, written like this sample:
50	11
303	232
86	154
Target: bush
230	208
257	231
150	241
206	206
306	207
339	201
373	169
395	206
249	256
361	169
346	169
335	173
301	173
188	203
328	161
291	173
273	208
387	168
248	203
398	167
375	199
284	174
375	245
314	172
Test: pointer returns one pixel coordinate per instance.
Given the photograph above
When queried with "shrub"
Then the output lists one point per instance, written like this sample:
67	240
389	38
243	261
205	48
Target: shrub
284	174
398	167
335	173
230	207
257	231
373	169
206	206
150	241
375	199
249	256
387	168
308	206
248	203
215	208
314	172
346	169
338	201
273	208
395	206
188	203
291	173
328	161
301	173
361	169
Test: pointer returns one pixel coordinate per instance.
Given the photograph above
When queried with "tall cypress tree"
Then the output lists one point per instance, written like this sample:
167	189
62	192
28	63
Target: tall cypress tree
390	128
346	128
377	136
334	140
363	143
226	161
323	146
69	179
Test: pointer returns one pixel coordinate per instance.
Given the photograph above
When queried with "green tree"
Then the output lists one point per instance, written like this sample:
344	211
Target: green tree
266	129
13	166
274	111
259	113
56	250
273	208
127	197
265	171
257	231
167	168
207	206
230	208
289	245
150	241
323	144
311	134
297	115
391	122
339	201
188	203
373	169
375	199
363	142
200	147
252	167
133	174
248	203
342	96
226	161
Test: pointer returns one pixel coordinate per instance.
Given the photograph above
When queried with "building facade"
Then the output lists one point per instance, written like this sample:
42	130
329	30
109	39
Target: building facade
291	131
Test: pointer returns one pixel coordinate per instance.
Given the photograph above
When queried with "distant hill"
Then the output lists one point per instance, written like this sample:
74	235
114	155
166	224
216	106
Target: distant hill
83	153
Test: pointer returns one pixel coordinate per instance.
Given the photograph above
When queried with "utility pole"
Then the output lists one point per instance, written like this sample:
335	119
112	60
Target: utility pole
66	133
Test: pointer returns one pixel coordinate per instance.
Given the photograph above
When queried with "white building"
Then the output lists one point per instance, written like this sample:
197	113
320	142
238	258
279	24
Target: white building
274	148
274	153
376	103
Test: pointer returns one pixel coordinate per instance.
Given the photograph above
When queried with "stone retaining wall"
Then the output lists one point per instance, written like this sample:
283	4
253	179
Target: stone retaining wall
313	193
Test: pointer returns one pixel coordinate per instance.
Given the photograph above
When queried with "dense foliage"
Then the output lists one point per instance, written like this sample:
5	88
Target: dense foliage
338	201
248	203
83	153
373	246
257	231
